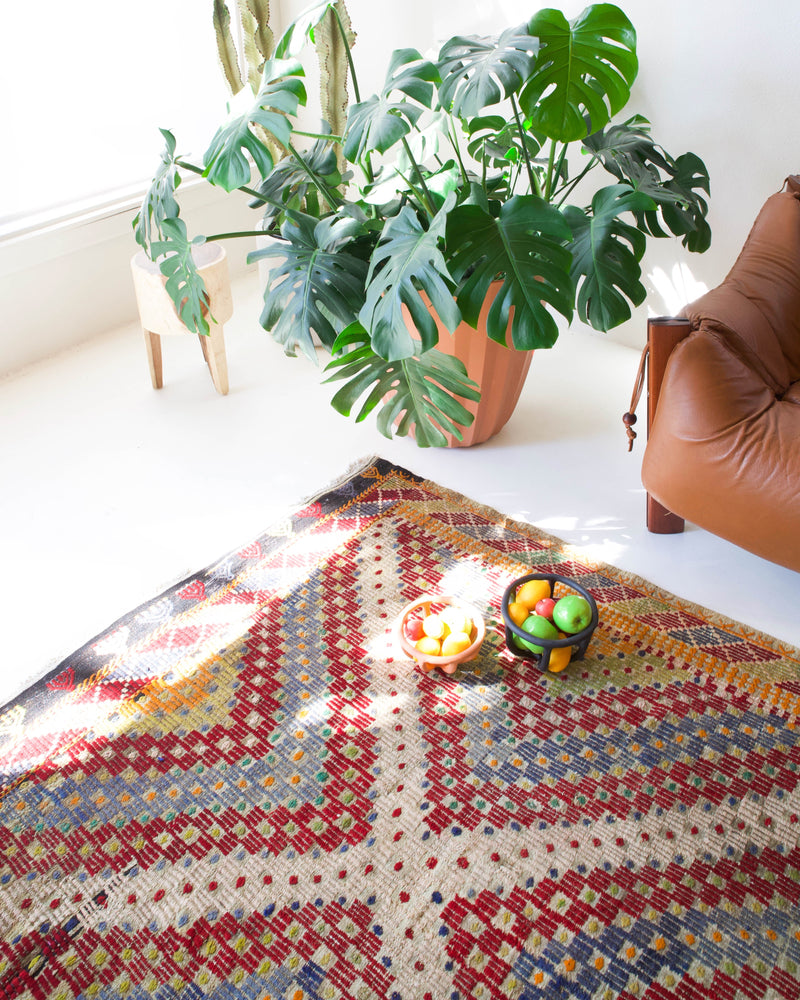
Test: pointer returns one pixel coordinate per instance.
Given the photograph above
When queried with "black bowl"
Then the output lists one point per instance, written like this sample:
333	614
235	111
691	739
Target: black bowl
579	641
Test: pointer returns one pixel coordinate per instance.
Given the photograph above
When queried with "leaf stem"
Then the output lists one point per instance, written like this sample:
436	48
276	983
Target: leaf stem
548	183
193	168
567	188
332	197
420	195
560	164
514	176
454	142
428	199
318	135
247	232
367	165
532	179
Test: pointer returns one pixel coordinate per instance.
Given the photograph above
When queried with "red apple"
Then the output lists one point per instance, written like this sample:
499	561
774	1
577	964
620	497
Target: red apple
545	607
413	629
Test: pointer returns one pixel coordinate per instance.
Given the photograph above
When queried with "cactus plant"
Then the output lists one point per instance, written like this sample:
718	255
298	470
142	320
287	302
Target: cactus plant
257	41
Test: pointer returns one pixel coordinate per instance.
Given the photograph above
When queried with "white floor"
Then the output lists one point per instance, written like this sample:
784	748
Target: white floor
113	491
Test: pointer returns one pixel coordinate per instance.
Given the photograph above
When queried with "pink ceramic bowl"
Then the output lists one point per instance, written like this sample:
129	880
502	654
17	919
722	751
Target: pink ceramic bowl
434	604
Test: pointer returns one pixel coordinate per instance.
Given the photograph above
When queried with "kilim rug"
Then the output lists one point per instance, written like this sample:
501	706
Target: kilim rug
242	789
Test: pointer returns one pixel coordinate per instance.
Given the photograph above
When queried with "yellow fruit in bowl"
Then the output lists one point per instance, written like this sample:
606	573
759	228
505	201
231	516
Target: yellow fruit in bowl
517	612
531	592
456	619
428	645
455	643
434	626
559	658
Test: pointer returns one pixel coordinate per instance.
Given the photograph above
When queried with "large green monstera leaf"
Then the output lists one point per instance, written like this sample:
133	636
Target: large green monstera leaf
408	259
159	201
419	393
377	124
297	181
184	285
380	122
685	213
479	72
583	73
411	74
605	256
523	247
226	160
628	151
316	286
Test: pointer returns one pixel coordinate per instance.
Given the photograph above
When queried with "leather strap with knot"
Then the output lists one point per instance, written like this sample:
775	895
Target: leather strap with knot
629	418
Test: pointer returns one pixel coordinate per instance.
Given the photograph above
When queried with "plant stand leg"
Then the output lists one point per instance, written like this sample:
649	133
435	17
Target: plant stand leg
158	316
214	352
152	342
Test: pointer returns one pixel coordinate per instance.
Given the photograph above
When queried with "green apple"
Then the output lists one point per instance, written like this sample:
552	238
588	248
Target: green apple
541	627
572	613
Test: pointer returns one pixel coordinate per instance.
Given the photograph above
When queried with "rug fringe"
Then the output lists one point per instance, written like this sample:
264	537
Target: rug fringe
354	469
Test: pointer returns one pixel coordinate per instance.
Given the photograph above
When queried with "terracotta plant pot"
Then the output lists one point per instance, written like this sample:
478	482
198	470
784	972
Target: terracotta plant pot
499	371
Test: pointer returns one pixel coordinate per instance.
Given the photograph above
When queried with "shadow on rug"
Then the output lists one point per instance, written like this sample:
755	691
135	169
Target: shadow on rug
243	790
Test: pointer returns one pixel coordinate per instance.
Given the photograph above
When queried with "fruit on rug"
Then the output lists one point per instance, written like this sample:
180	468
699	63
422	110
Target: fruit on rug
456	619
559	657
413	629
533	591
517	612
572	613
455	643
446	633
541	628
434	626
429	646
545	607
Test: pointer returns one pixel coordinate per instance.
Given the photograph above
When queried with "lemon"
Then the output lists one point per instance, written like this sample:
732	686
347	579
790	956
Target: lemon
434	626
559	658
429	646
456	619
455	643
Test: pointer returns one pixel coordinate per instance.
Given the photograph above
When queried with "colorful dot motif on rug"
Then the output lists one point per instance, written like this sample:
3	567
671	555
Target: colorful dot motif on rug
243	790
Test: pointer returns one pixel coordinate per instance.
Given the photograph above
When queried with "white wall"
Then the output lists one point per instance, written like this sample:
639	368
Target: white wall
717	77
71	280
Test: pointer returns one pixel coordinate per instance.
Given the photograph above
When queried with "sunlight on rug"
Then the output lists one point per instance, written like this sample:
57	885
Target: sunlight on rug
242	789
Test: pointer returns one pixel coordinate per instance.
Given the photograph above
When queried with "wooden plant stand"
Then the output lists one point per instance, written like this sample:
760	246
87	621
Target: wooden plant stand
159	318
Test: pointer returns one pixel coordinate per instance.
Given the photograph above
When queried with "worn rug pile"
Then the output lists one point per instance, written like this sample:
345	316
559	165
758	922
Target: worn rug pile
242	789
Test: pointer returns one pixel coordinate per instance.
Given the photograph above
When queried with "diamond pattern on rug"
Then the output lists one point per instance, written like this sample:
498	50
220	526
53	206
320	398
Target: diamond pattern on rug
244	790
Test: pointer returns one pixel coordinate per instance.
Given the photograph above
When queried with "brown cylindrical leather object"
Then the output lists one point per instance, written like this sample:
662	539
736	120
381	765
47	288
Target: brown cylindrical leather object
663	334
724	452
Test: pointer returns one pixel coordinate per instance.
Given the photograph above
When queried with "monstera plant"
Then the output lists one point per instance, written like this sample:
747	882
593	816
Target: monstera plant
473	167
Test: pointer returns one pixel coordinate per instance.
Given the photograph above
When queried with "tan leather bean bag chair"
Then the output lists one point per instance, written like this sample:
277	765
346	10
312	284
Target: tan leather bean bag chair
724	447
